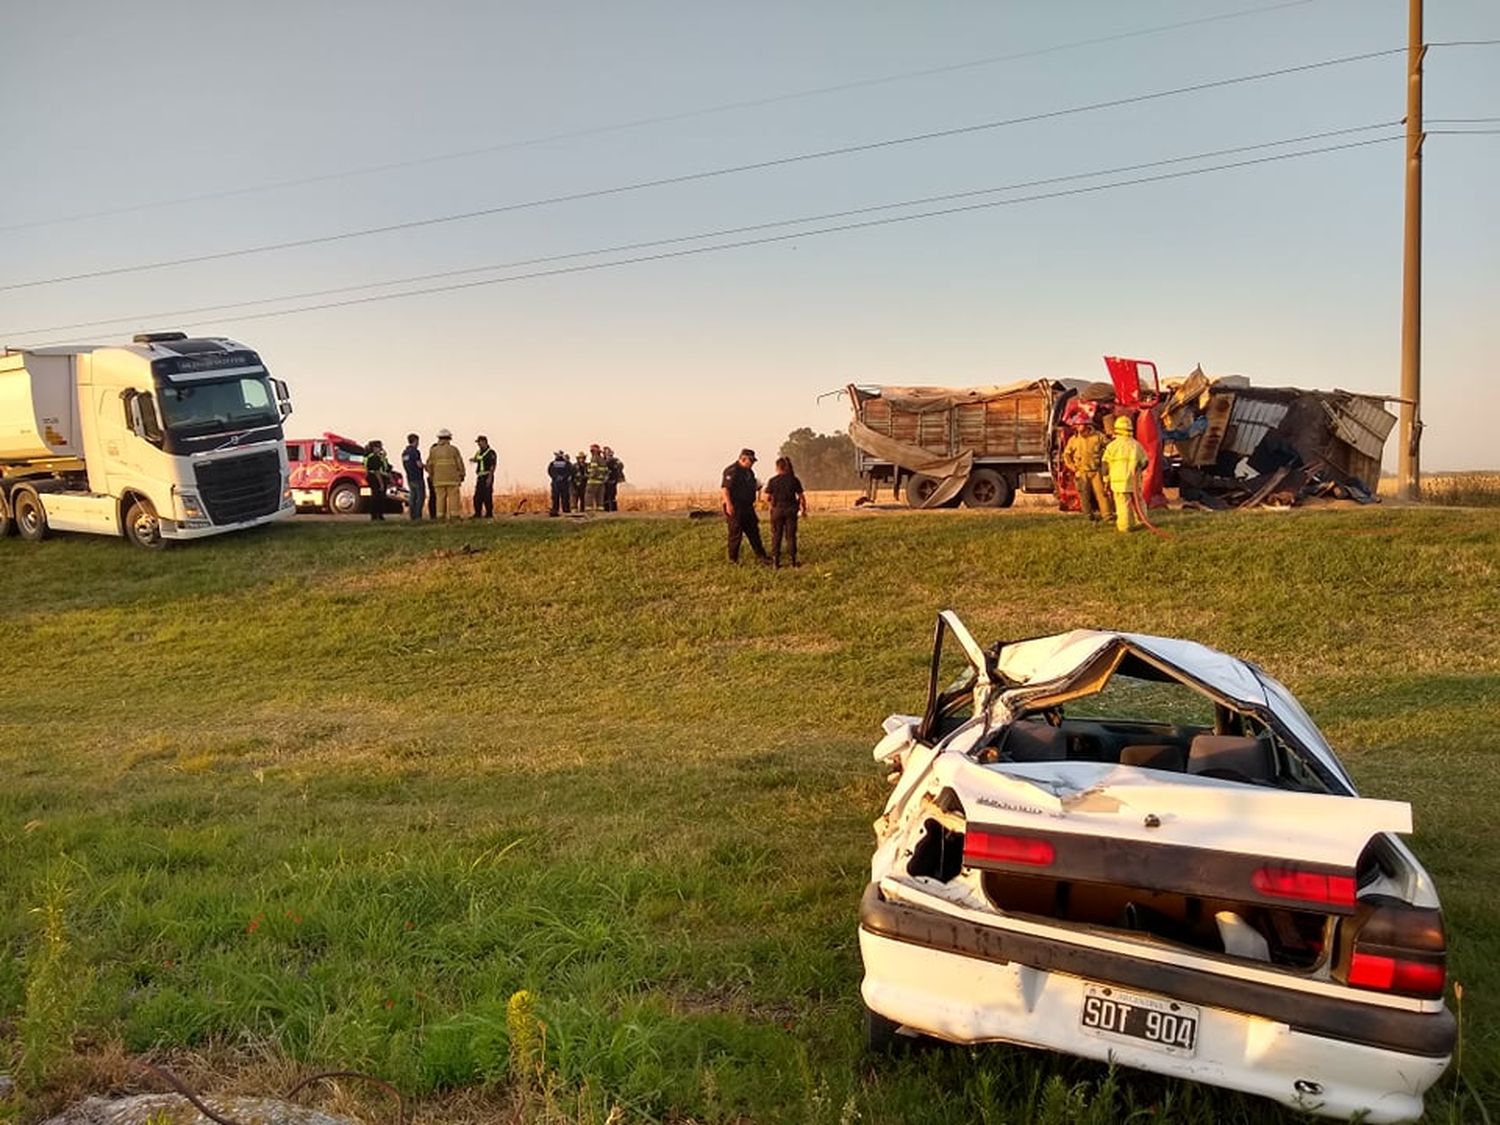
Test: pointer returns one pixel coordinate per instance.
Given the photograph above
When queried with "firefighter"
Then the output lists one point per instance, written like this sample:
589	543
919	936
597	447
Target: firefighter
1124	460
738	488
614	477
1083	456
378	476
484	479
580	479
445	466
560	473
598	474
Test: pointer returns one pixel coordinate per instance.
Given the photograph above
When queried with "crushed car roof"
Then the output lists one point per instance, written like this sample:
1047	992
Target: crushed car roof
1065	656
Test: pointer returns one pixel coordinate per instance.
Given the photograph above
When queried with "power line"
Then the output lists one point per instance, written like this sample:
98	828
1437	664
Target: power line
162	316
769	239
1462	132
1459	120
664	119
759	165
1466	43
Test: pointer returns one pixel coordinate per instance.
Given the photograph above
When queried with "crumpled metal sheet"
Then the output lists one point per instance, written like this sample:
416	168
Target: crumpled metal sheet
177	1110
952	471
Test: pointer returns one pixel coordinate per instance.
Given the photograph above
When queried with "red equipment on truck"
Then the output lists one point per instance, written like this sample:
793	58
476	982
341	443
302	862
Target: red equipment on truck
328	475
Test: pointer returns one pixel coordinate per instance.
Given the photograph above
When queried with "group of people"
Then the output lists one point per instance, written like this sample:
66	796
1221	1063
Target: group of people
1091	460
739	489
590	480
433	481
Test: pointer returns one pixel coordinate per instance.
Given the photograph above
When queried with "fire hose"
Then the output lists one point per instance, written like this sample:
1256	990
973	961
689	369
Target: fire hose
1140	511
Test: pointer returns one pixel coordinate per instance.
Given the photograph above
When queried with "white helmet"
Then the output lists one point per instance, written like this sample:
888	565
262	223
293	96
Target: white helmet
445	433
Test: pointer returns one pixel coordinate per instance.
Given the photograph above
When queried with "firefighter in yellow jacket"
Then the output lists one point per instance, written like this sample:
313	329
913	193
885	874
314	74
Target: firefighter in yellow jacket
446	465
1124	461
1082	456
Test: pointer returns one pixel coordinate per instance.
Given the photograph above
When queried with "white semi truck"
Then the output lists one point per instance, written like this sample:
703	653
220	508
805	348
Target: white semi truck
165	438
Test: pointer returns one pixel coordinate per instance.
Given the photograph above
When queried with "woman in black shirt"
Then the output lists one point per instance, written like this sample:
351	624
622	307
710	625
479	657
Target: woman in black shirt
787	499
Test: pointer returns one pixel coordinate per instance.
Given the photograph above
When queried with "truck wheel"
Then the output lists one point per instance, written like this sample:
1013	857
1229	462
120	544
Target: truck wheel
919	488
142	527
30	516
988	489
7	525
343	498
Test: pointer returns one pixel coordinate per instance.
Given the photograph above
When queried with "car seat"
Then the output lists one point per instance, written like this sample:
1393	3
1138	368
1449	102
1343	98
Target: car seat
1233	757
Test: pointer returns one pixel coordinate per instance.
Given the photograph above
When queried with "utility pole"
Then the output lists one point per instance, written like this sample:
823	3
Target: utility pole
1409	466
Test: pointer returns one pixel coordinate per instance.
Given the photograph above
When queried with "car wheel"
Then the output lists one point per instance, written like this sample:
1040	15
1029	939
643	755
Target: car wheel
343	498
30	516
142	527
881	1035
988	489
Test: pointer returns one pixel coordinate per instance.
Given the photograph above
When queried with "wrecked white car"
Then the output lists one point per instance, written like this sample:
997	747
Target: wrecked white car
1133	848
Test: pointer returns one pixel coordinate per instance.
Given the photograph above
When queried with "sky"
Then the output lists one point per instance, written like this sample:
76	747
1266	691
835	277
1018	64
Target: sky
156	131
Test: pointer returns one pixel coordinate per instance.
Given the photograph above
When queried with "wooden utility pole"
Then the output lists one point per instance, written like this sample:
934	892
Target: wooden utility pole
1409	466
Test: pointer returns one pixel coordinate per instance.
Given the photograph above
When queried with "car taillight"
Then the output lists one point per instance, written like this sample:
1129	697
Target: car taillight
1397	948
996	847
1300	885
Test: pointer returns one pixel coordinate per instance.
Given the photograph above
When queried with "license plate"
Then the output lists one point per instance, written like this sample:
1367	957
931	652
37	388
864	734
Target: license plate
1165	1025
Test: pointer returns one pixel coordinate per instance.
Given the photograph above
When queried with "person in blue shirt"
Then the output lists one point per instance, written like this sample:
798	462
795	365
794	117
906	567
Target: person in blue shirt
415	470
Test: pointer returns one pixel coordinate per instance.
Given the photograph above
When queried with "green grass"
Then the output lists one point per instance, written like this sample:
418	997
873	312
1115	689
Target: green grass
320	792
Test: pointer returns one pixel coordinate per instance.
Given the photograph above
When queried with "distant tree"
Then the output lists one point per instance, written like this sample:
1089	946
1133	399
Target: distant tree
822	461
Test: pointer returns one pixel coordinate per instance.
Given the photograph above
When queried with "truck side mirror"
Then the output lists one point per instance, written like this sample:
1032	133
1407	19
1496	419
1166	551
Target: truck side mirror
283	398
141	409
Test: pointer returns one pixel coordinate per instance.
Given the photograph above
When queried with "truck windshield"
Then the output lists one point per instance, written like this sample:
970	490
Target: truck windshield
218	405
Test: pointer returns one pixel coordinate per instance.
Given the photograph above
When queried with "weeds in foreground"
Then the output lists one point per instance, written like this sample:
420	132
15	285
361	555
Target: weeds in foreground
57	981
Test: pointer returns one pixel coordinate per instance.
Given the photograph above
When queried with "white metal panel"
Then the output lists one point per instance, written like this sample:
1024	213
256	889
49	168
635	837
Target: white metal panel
1364	423
81	511
37	418
1250	422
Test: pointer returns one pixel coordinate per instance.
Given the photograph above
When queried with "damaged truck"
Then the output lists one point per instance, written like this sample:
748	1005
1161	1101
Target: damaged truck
1222	442
1137	849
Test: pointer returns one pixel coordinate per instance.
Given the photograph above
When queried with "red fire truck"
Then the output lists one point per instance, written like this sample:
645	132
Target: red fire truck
328	475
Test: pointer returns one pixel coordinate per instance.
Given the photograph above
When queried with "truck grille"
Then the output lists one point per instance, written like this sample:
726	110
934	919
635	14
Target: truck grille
240	488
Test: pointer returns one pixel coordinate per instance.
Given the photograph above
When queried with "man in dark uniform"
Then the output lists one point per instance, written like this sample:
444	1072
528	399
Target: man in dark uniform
378	476
560	473
580	480
484	479
738	489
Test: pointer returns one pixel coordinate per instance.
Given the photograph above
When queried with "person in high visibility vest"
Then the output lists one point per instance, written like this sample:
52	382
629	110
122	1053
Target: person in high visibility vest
445	465
484	479
598	473
378	477
1124	460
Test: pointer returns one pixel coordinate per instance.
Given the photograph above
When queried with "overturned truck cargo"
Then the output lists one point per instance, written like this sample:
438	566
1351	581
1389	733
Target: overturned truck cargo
1223	442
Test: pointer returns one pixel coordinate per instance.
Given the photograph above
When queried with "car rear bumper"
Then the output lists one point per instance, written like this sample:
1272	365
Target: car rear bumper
967	983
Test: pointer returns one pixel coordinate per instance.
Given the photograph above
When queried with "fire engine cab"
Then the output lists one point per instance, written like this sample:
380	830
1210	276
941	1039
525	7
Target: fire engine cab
328	475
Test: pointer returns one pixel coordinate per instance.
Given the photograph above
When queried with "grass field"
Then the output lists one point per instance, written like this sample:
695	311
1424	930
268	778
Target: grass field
578	823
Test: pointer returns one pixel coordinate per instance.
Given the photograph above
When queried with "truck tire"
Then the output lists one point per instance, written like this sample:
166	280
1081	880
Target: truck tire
343	498
142	527
919	488
988	488
7	525
31	518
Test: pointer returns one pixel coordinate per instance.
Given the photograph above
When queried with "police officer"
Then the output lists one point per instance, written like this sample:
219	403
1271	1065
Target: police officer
1083	456
484	479
378	476
560	473
580	479
738	489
